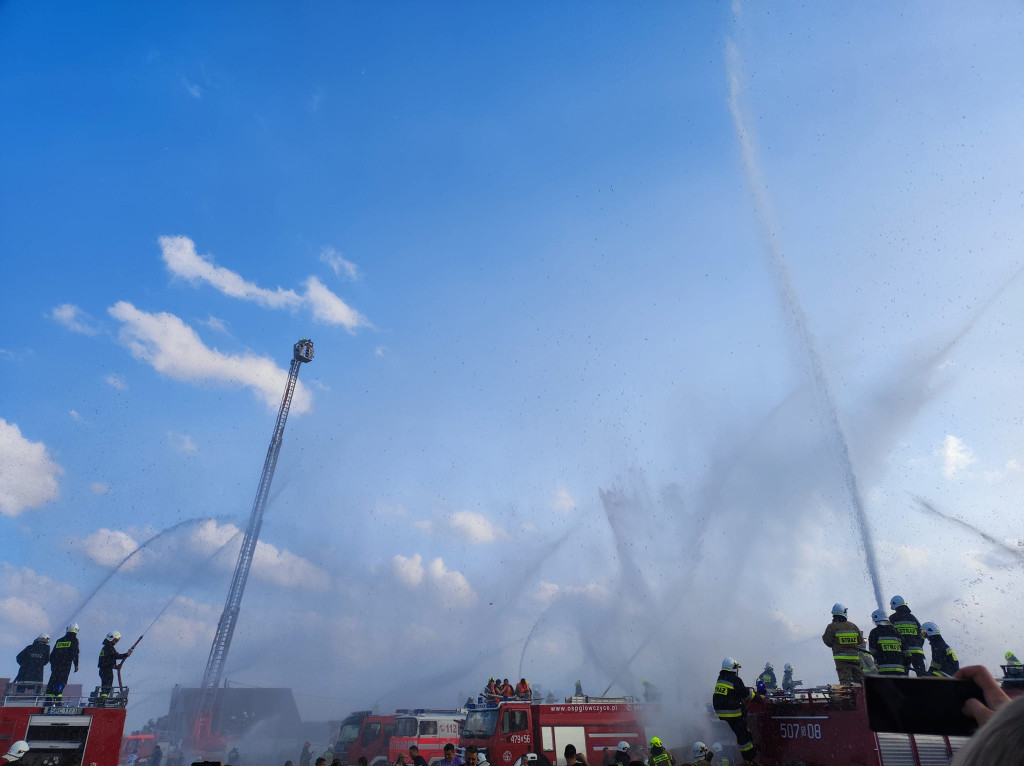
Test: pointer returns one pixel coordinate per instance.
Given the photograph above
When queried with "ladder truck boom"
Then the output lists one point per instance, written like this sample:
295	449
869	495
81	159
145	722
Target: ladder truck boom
302	352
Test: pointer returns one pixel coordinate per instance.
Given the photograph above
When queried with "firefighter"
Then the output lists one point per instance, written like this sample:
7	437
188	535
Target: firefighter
108	661
63	656
844	639
491	689
523	691
651	692
700	755
1013	667
788	684
621	754
910	631
768	676
659	755
886	645
32	660
944	659
506	690
17	751
730	703
579	688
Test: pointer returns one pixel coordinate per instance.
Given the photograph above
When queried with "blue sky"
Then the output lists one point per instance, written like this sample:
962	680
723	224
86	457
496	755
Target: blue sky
525	245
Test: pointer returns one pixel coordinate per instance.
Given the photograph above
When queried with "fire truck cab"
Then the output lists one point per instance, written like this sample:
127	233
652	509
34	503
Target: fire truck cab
429	730
373	740
514	733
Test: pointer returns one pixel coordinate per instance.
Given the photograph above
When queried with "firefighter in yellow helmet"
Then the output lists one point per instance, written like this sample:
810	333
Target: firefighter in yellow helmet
659	755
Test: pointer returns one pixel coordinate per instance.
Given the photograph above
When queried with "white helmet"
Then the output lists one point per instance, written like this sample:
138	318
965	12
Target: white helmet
717	747
768	666
44	637
730	664
113	636
73	627
623	746
897	601
930	629
788	666
699	752
879	616
17	751
838	610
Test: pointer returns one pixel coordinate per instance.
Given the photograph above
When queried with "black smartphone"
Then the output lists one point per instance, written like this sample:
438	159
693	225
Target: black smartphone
919	705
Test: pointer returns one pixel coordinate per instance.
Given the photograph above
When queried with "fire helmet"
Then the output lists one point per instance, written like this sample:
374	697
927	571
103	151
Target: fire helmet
17	751
930	629
623	746
717	747
44	637
656	742
879	616
768	666
788	666
699	752
73	627
730	664
1009	656
897	601
113	636
838	610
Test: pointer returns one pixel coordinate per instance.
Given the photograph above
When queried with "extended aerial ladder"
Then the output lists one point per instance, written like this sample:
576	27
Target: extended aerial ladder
301	352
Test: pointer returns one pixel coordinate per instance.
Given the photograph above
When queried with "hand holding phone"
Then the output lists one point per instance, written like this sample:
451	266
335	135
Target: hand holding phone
922	705
994	696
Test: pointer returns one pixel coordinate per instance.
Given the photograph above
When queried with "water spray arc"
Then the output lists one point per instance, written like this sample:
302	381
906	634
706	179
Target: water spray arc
302	352
797	319
78	609
1004	546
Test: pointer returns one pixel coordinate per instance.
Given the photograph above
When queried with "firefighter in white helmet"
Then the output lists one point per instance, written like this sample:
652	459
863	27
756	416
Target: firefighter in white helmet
32	660
17	751
700	754
109	657
730	703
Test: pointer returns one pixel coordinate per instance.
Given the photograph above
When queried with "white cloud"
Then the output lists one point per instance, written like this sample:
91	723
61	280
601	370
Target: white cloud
181	442
474	527
215	324
115	381
379	352
23	613
192	89
408	570
173	348
182	260
452	585
424	525
339	264
73	318
109	547
74	415
562	502
28	475
328	307
548	591
273	565
955	456
99	488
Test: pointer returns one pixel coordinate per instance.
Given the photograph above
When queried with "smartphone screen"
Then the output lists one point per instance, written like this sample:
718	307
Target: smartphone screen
919	705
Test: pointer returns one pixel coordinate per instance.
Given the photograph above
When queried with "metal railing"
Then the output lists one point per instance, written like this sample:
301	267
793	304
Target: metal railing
118	698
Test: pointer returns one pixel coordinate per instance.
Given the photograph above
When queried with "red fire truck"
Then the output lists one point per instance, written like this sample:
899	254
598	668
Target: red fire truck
514	732
374	738
429	730
74	733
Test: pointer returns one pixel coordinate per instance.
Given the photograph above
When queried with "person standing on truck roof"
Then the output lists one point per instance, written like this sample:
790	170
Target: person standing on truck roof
415	758
886	645
491	689
768	676
523	691
659	755
306	755
63	656
32	660
651	692
844	639
730	703
579	688
1013	667
944	659
506	689
788	684
108	661
450	758
910	631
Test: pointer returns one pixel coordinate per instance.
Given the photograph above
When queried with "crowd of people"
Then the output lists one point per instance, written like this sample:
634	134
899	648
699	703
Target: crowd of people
33	659
497	689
